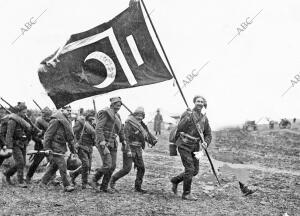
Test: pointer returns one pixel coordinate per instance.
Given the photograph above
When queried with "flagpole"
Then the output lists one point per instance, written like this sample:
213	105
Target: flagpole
165	55
211	164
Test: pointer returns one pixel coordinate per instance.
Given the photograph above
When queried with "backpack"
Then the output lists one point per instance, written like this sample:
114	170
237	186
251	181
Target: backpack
3	130
173	135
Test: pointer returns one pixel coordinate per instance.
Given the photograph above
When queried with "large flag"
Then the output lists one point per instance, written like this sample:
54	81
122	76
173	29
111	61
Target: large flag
114	55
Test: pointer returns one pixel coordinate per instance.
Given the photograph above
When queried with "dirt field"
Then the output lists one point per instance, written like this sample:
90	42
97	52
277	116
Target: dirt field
265	160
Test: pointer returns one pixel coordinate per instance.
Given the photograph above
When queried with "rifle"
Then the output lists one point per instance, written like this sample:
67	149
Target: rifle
33	152
36	129
37	105
5	109
206	152
152	139
94	104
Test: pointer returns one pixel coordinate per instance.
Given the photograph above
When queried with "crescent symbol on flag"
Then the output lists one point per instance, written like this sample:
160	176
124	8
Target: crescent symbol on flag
109	66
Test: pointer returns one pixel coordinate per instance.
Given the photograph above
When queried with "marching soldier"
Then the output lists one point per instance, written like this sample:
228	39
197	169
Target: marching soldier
42	123
17	139
58	134
108	126
188	142
86	141
135	136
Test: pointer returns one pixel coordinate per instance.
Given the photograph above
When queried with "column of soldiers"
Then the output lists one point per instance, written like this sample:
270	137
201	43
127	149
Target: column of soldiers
56	136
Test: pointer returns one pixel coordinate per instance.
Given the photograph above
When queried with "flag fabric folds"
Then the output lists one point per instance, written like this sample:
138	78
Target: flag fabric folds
114	55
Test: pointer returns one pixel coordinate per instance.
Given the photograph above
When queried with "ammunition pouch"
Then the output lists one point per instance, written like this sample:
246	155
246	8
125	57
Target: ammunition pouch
186	138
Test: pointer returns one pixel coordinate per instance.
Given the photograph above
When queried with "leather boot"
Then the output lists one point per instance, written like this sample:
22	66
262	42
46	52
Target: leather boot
189	197
69	188
174	188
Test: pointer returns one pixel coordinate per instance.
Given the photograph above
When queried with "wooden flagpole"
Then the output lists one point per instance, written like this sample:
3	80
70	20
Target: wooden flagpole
180	90
165	54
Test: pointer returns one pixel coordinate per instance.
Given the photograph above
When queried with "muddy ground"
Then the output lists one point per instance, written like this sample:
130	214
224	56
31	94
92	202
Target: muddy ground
268	161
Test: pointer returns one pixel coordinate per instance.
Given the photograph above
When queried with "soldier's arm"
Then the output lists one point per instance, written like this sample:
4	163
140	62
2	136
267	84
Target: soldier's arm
11	125
53	125
101	120
122	135
207	132
127	134
38	124
184	120
77	129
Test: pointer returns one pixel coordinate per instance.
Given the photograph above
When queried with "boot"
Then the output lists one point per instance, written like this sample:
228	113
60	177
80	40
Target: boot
22	185
86	186
140	190
189	197
106	190
7	179
69	188
94	185
174	188
112	184
73	178
28	180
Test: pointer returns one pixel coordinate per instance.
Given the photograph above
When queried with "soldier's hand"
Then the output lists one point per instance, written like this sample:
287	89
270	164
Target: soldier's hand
9	151
102	144
204	145
4	147
129	154
47	152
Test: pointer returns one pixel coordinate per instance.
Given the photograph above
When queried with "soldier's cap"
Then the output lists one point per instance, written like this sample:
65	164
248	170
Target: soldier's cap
139	110
115	100
204	100
66	107
21	106
88	114
47	111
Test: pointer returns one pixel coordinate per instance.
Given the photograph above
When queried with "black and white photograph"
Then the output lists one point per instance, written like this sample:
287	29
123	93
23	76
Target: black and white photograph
149	108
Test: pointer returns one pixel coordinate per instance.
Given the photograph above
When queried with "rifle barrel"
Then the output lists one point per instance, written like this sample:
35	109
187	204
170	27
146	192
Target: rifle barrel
37	105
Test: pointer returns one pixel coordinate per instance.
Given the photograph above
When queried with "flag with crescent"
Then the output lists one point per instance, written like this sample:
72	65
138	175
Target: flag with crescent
115	55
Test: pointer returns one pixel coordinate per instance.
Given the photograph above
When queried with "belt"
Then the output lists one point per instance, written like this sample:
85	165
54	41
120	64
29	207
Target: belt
189	137
135	143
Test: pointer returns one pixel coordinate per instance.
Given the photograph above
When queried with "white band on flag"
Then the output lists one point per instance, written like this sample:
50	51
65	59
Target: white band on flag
133	47
116	47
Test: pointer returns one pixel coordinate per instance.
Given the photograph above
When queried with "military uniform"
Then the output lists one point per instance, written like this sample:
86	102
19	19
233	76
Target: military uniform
42	124
135	137
86	141
108	127
187	143
17	138
158	119
57	135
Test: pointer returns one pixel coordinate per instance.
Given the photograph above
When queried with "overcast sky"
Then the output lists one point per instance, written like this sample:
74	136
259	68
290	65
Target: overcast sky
242	80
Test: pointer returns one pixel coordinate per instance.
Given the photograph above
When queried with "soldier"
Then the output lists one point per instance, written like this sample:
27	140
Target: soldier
86	142
158	119
188	142
57	135
17	139
78	126
135	136
42	123
108	126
